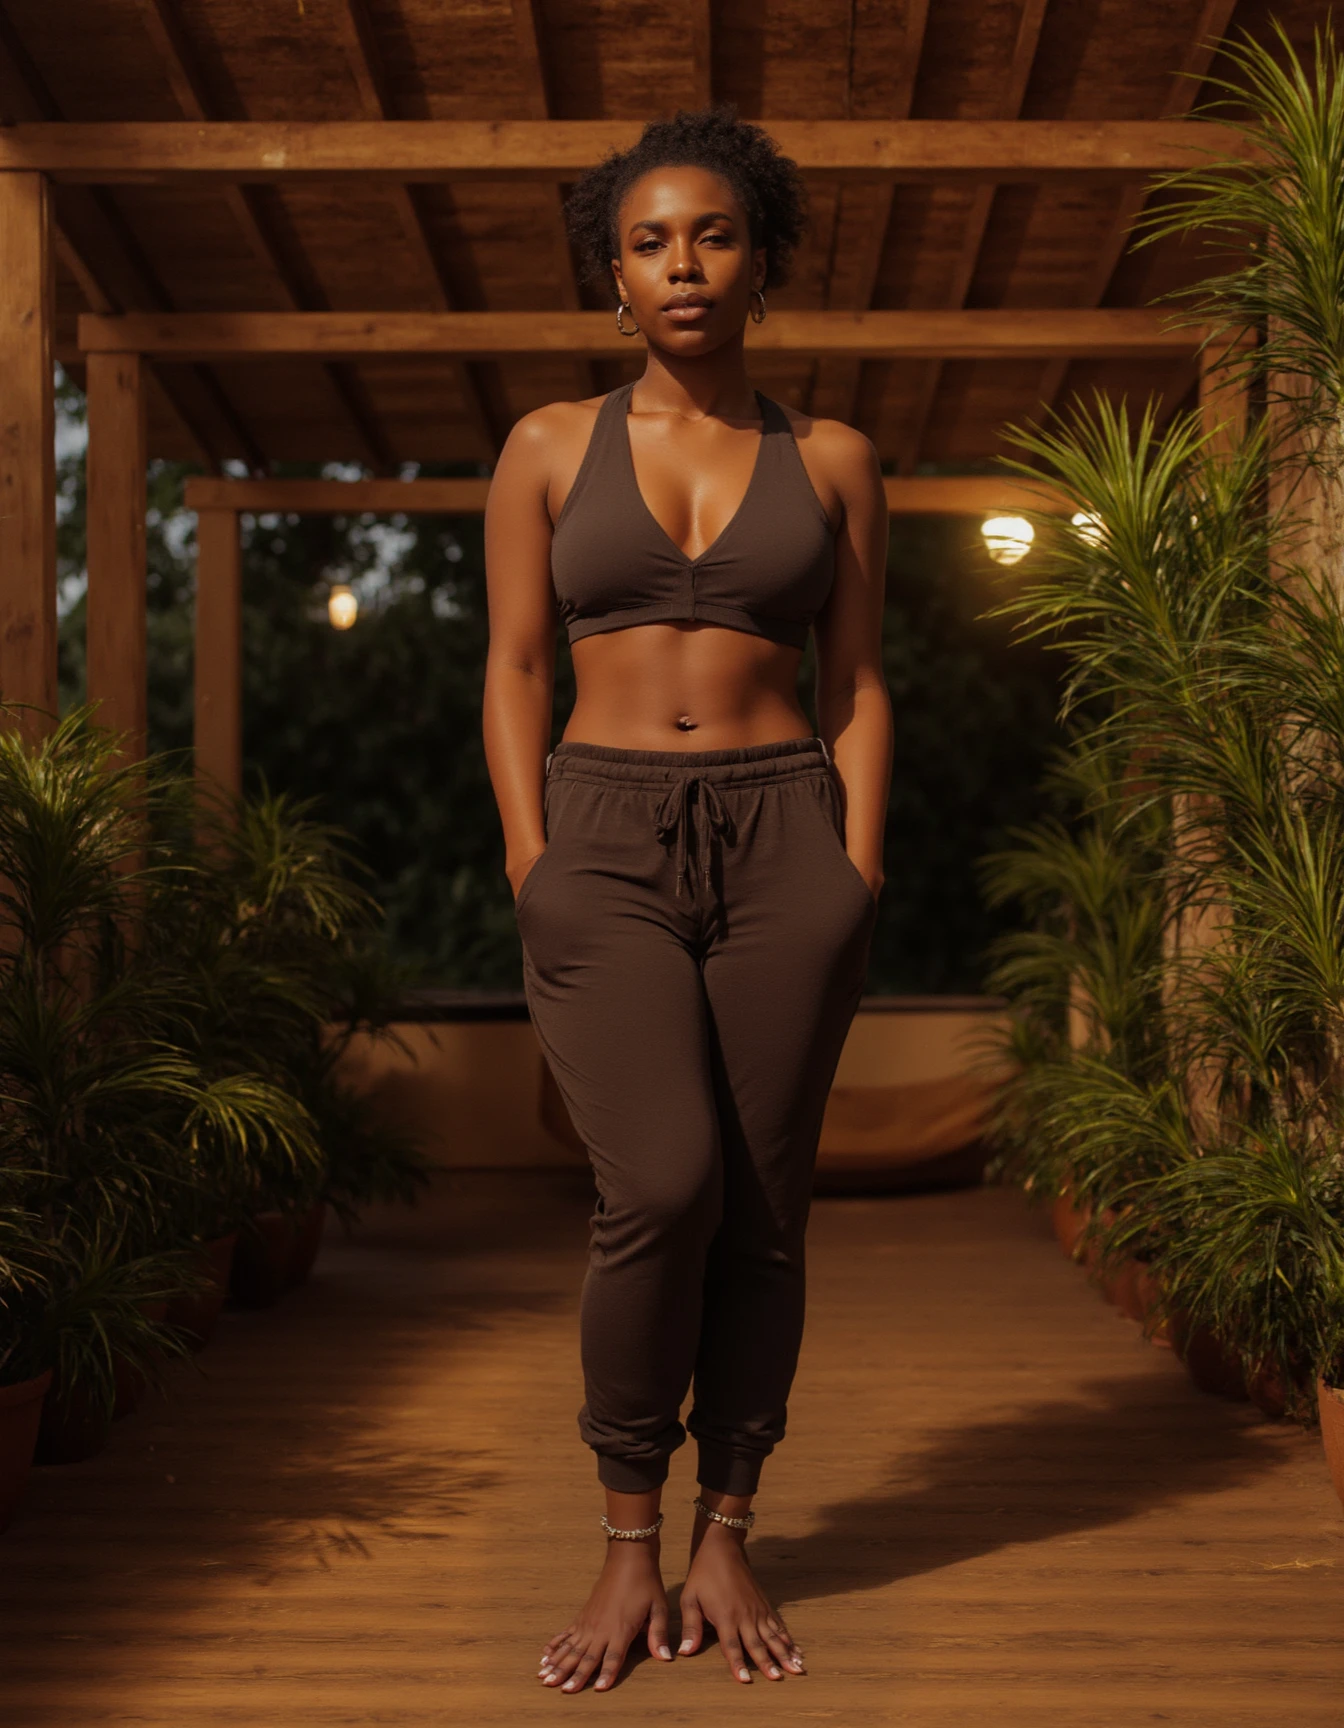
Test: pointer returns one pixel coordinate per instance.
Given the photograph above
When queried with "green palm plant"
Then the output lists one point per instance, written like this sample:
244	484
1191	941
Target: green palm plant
111	1130
1194	598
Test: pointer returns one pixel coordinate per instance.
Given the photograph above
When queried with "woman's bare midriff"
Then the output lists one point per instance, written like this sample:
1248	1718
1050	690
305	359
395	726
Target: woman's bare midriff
684	686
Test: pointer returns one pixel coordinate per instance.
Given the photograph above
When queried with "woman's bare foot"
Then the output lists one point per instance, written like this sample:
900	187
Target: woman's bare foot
628	1593
720	1588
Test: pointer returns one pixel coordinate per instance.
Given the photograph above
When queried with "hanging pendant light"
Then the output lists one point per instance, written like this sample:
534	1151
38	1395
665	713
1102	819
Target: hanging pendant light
342	606
1007	538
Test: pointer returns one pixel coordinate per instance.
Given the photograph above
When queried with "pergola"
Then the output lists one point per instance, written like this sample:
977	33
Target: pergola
332	229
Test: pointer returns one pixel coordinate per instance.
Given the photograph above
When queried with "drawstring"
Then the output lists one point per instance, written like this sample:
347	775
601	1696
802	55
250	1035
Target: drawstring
674	816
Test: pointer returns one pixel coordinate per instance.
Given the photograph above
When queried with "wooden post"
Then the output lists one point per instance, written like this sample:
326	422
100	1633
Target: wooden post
117	463
27	450
219	652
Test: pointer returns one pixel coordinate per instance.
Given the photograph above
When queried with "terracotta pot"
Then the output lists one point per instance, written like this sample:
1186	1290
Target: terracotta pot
1212	1367
1122	1287
1268	1391
1148	1295
262	1260
131	1382
1332	1431
307	1241
72	1428
1068	1223
197	1316
20	1414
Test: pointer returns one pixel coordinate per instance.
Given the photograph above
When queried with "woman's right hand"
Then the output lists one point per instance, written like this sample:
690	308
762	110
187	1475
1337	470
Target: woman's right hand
518	874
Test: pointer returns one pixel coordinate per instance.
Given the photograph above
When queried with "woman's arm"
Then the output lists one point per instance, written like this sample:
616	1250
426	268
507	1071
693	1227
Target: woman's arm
853	706
520	663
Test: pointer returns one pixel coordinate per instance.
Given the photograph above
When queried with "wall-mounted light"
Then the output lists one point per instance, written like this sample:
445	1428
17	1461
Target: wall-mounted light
342	607
1007	538
1089	528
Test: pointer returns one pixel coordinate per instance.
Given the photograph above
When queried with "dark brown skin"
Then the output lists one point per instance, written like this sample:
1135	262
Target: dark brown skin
694	430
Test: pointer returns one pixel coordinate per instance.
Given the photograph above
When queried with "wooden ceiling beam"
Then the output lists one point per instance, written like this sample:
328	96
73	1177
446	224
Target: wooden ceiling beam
920	495
1029	24
94	212
915	151
165	30
534	76
859	238
1214	22
972	335
365	60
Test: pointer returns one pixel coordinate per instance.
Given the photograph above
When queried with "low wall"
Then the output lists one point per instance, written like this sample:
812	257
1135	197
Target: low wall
468	1081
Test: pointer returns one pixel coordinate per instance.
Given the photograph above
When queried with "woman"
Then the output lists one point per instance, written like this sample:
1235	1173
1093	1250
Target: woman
695	874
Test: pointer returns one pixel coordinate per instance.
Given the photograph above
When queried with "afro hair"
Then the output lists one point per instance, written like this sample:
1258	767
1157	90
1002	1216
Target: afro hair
767	184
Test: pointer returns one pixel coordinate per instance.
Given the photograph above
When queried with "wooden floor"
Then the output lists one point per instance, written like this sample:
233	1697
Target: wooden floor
996	1505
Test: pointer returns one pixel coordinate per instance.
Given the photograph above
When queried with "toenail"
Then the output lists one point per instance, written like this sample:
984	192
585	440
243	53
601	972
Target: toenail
685	1646
664	1652
743	1674
774	1674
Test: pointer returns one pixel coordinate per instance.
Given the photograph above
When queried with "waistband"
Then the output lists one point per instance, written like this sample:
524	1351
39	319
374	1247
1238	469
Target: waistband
788	759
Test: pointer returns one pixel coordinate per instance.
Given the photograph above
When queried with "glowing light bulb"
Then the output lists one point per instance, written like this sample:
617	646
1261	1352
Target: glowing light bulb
1007	538
342	607
1089	527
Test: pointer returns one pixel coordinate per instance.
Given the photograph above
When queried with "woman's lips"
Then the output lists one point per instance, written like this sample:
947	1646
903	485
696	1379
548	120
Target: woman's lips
687	311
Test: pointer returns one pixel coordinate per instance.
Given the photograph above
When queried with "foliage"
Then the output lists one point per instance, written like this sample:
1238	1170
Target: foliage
1180	1000
165	982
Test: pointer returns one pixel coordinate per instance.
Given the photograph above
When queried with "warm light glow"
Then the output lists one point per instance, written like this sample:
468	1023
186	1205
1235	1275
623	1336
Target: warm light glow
1089	527
1007	538
342	607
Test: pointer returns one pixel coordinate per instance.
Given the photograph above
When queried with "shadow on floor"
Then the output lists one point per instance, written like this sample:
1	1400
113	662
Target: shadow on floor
1045	1472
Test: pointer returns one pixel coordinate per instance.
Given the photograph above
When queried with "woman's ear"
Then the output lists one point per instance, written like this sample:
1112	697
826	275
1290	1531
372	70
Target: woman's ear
620	280
760	264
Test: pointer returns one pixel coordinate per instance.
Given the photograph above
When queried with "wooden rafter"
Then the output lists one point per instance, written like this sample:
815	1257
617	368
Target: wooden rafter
294	283
919	495
971	335
1030	20
1214	21
862	218
375	94
94	210
913	151
535	83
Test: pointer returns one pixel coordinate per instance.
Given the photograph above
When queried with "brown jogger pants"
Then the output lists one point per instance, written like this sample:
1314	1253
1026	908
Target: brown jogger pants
695	939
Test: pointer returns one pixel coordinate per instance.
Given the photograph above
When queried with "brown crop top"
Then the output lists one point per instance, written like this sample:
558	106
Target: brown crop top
769	572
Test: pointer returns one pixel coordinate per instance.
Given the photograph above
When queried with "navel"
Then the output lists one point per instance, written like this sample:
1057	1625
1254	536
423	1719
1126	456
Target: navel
685	722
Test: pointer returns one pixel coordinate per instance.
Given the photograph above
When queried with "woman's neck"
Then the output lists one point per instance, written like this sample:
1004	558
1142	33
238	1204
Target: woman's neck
710	385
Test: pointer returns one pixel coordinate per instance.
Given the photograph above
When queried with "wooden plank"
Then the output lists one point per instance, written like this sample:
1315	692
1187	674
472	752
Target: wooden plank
917	495
995	1503
297	287
977	335
117	464
1214	21
1013	93
130	152
862	218
218	734
27	451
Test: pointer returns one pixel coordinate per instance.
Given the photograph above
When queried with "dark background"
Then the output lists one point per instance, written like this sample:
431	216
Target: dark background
382	722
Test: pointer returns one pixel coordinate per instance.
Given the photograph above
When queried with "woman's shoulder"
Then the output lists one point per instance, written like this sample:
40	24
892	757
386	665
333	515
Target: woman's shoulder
836	447
556	420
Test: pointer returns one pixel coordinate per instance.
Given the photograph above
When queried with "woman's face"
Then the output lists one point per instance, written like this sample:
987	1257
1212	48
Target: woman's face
686	267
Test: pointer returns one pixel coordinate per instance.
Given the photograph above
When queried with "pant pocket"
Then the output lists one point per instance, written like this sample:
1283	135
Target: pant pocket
832	815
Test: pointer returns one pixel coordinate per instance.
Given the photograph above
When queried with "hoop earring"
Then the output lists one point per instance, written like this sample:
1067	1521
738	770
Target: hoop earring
621	310
757	313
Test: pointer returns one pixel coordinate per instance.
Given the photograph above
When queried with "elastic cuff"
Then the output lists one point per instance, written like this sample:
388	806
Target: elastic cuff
631	1475
728	1472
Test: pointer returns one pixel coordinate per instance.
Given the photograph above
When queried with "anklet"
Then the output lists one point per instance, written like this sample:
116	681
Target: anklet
616	1535
718	1517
